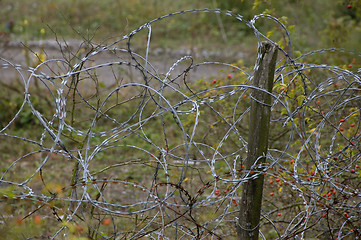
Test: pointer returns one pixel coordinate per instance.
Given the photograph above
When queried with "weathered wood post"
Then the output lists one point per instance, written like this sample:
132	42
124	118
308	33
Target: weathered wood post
250	206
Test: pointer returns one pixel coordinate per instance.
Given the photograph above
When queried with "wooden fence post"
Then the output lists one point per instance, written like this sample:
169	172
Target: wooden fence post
250	206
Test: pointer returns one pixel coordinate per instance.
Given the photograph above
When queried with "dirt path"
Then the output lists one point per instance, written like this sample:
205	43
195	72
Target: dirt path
161	60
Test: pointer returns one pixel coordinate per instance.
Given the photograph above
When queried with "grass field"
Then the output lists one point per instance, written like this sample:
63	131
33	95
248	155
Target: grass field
317	24
156	155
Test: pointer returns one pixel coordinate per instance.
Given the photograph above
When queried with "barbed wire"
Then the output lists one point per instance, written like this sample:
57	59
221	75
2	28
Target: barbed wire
162	156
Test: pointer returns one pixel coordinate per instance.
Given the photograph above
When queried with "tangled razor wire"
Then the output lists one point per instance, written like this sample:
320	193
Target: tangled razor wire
162	155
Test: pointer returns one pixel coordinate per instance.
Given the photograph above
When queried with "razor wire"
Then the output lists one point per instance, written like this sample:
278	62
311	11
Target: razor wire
162	156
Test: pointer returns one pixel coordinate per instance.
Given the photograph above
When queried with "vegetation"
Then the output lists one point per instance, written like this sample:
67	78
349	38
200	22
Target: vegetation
154	156
317	24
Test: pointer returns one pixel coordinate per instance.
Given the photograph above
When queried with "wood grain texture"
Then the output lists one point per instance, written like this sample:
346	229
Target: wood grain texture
251	203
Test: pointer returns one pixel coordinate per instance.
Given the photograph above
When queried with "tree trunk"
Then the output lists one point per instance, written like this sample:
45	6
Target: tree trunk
250	206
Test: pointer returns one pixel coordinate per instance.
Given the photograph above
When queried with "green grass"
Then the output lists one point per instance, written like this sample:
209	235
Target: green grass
317	24
122	168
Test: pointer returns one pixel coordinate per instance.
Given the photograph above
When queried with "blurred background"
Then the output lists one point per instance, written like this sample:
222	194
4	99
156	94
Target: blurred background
314	24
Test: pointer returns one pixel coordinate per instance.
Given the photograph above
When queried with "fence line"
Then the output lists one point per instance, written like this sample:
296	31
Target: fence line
150	154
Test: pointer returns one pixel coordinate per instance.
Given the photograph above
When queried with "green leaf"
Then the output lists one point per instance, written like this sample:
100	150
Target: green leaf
101	84
256	4
7	191
300	99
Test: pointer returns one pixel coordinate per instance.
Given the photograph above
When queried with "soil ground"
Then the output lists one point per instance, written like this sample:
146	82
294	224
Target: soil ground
161	60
